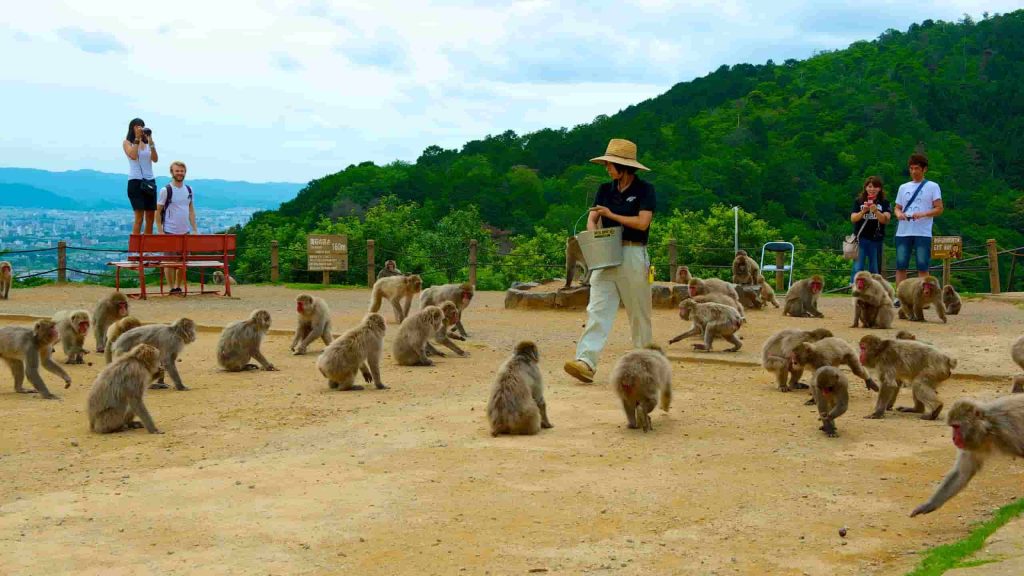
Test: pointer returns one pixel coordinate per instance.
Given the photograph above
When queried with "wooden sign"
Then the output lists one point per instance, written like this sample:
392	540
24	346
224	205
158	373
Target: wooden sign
327	253
947	247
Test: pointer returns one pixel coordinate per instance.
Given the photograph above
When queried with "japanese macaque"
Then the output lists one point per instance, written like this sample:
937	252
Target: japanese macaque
73	326
702	287
917	293
517	403
459	294
410	345
776	350
451	318
6	278
108	310
218	278
768	294
710	320
745	270
951	300
872	305
641	379
357	350
396	289
1017	353
895	361
314	322
116	395
886	285
114	332
240	341
979	429
684	312
831	392
25	349
683	275
573	259
750	296
389	269
829	352
170	340
802	298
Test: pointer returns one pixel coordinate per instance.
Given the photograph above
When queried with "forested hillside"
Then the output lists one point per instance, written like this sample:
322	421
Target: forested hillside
790	143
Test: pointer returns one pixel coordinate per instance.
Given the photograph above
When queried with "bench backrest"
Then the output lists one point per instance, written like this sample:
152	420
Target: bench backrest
169	246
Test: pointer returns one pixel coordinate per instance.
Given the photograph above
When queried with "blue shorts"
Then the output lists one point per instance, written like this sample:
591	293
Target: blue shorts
922	248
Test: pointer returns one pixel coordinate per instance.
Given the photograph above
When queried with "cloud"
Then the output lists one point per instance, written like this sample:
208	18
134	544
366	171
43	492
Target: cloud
386	52
287	62
93	42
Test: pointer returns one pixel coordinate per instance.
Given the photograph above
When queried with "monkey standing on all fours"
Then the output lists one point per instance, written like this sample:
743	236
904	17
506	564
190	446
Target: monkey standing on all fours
25	349
396	289
641	379
916	294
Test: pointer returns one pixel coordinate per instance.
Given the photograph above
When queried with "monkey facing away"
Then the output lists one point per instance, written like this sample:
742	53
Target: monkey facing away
314	322
25	349
573	258
777	349
399	290
517	405
170	340
802	298
6	278
831	392
116	395
114	332
73	326
830	351
710	320
240	341
459	294
745	270
108	310
895	361
410	345
917	293
951	300
451	318
640	379
872	305
979	429
1017	354
357	350
390	269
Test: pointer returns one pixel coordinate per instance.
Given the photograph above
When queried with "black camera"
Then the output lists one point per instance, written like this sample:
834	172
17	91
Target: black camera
147	131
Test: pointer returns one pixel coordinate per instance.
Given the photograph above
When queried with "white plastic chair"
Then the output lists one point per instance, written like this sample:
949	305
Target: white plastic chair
779	247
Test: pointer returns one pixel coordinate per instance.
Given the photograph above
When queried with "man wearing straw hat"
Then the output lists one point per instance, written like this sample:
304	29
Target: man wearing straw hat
628	202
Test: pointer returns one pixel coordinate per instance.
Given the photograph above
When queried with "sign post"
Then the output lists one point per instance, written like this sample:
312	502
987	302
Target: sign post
947	248
327	253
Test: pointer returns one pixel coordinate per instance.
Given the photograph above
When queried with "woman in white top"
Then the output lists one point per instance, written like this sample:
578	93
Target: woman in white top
141	152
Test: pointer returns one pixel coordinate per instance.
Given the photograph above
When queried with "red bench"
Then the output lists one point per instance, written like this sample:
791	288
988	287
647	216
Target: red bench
177	251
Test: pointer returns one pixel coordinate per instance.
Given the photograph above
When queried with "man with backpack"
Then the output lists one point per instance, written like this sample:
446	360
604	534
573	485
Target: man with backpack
918	202
176	214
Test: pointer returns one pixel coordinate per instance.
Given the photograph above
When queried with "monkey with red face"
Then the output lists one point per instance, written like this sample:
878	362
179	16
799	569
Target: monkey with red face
802	298
916	294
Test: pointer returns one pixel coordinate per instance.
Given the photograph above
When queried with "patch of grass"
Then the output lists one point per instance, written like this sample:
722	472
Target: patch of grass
942	558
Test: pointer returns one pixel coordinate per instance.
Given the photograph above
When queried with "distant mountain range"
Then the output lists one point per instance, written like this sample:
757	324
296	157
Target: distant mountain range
91	190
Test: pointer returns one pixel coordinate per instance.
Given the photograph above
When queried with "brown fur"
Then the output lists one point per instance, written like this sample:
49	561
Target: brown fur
357	350
684	311
240	341
745	270
917	293
872	305
409	347
114	332
517	405
389	269
170	340
886	285
768	294
641	379
25	349
573	259
116	395
829	352
314	322
108	310
451	318
896	361
459	294
399	290
6	278
683	275
1017	354
802	298
710	320
951	300
73	326
776	350
218	278
831	392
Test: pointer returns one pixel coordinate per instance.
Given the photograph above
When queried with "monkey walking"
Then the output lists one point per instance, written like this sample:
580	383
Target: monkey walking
517	405
399	290
170	340
459	294
25	349
898	361
831	392
775	355
830	351
916	294
640	379
710	320
116	395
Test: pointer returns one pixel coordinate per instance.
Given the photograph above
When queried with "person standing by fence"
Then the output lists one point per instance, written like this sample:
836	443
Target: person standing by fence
176	215
918	202
629	202
871	212
141	152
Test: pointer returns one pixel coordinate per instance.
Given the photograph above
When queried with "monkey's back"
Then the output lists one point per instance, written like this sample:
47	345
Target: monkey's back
641	374
511	408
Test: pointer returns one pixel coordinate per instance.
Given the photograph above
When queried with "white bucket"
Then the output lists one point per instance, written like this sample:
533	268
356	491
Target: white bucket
601	248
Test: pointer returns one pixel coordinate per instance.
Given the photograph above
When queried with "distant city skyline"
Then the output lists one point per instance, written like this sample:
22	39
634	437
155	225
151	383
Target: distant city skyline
267	91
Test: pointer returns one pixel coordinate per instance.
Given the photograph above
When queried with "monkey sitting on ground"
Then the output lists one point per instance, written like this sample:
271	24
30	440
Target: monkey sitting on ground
917	293
396	289
357	350
951	300
459	294
829	352
573	258
517	403
1017	354
750	296
169	340
768	294
6	278
314	322
895	361
831	392
73	325
25	349
640	379
451	318
116	395
241	341
776	350
710	320
218	278
979	429
114	332
683	275
390	269
108	310
885	286
410	345
872	305
745	270
802	298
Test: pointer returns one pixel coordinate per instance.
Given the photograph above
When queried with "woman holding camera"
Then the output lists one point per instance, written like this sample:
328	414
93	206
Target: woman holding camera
141	152
871	212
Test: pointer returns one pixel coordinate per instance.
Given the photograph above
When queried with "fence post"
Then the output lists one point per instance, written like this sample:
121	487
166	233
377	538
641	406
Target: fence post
671	259
370	266
327	278
275	271
780	276
993	266
946	271
472	262
62	262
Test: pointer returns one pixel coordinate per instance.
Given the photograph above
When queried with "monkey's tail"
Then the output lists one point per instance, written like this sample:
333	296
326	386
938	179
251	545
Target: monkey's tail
375	305
666	398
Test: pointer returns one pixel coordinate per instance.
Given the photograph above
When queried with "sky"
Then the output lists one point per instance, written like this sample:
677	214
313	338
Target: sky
268	90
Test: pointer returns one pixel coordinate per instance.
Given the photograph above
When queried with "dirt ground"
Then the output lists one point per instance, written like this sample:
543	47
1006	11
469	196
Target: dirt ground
272	473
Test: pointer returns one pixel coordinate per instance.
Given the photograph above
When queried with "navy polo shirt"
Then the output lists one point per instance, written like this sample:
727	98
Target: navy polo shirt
639	196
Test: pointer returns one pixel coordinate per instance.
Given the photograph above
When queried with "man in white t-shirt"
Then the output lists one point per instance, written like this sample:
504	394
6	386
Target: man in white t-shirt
176	214
915	211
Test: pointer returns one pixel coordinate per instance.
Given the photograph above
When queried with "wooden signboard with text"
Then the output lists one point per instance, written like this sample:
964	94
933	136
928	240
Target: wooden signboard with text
327	253
947	247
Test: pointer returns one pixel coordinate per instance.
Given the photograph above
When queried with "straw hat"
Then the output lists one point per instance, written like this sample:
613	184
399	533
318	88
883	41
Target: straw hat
622	152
